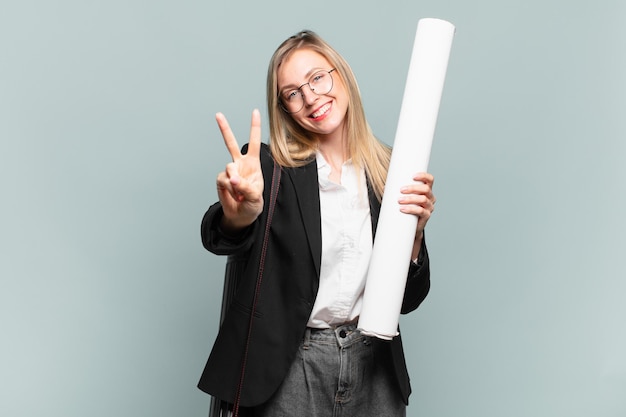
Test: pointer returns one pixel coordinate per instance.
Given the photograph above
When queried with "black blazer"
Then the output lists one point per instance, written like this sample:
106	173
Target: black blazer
288	290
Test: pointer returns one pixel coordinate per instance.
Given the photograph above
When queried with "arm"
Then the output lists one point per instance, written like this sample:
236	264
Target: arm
220	242
418	199
418	281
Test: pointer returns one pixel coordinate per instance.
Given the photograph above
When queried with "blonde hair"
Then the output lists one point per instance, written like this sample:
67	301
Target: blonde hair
293	146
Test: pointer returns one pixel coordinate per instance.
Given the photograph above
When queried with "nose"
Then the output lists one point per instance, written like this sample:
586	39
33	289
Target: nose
308	94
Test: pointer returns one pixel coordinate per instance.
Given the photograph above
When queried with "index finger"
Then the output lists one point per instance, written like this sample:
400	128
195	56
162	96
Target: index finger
229	137
424	177
254	147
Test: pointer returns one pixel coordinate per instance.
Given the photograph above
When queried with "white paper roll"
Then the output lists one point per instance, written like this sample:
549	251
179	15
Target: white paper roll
395	233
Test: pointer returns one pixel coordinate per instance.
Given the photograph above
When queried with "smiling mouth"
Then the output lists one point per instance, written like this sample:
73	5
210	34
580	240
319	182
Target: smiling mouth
321	111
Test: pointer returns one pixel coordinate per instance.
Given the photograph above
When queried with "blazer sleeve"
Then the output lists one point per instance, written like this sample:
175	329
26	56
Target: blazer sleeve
215	240
418	281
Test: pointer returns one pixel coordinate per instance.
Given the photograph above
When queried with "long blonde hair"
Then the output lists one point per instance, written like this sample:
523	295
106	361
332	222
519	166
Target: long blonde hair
293	146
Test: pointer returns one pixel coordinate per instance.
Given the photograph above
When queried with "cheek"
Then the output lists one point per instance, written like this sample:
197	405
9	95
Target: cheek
298	118
343	102
301	121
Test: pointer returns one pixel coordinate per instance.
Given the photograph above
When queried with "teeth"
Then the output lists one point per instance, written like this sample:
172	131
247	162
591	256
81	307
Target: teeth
321	111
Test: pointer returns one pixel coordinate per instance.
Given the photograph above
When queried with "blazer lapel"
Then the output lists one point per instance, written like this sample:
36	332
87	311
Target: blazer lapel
374	207
306	188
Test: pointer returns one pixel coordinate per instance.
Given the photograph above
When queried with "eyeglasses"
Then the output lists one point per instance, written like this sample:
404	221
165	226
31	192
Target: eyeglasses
320	83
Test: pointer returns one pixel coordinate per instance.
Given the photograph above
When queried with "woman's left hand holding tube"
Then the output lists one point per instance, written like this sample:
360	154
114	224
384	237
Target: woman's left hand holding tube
418	199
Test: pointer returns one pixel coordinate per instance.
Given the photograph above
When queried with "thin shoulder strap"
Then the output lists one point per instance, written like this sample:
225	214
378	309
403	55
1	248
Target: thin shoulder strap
270	213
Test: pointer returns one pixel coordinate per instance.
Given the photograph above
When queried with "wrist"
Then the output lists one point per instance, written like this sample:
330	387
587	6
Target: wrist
233	226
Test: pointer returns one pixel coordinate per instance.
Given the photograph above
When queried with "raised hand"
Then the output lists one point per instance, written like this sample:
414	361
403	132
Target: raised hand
240	185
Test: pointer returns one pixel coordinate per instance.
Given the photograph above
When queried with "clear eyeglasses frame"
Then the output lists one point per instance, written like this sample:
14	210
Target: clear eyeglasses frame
320	83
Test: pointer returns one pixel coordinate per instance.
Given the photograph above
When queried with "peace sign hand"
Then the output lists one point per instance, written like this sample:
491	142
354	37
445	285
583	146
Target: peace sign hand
240	185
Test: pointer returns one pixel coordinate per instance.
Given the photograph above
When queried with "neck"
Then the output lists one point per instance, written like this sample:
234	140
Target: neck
335	154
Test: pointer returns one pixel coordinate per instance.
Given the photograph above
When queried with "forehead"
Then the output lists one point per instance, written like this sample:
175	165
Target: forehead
299	65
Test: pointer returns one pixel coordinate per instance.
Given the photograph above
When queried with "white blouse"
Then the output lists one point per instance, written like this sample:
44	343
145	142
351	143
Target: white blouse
346	246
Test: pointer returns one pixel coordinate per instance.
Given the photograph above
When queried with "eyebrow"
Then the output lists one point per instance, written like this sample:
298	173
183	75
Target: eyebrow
306	76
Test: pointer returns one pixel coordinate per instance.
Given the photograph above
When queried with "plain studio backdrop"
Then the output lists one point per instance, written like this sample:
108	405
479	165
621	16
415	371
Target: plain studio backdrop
109	152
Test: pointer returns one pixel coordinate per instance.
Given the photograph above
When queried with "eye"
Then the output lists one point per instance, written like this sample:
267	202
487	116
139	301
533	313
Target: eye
316	78
290	95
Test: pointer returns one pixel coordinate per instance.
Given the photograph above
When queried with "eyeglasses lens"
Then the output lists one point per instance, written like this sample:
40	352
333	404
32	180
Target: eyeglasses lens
320	83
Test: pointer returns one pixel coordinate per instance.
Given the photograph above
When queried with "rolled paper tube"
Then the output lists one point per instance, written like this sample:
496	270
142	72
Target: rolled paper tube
395	234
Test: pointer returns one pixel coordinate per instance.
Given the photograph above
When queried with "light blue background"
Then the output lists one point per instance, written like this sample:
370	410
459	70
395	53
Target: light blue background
109	152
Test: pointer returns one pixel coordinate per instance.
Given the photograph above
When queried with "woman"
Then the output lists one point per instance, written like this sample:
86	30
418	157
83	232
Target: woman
305	356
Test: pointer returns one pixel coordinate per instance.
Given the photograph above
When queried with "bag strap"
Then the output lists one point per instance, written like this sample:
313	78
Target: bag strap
270	213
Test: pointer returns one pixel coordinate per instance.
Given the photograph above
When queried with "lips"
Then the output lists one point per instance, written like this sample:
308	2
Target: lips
321	112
